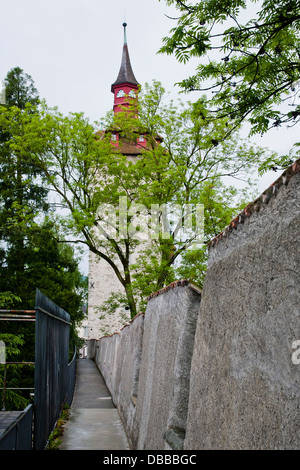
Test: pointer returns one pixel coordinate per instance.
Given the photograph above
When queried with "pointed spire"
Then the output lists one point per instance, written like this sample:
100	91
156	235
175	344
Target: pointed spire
126	74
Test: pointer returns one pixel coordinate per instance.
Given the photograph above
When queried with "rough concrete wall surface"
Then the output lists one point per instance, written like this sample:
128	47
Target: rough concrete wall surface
169	329
91	348
102	282
131	351
118	358
107	359
245	388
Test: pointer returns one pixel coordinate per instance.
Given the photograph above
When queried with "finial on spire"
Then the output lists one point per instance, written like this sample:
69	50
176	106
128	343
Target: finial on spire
125	37
126	75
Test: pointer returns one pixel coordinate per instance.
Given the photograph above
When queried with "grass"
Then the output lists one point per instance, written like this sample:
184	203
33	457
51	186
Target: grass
54	439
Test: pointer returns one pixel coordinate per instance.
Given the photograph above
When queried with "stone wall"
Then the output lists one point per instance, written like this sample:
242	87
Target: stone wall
162	405
146	367
245	389
219	374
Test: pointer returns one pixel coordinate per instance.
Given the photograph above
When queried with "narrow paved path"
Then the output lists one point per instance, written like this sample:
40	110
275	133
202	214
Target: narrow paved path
94	422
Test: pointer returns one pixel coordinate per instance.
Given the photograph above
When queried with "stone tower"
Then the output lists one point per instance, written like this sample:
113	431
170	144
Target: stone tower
102	279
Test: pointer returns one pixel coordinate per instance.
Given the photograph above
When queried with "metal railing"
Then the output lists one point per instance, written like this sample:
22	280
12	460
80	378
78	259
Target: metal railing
19	316
5	387
54	377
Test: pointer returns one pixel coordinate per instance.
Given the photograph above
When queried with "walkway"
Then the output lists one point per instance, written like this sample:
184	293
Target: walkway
94	422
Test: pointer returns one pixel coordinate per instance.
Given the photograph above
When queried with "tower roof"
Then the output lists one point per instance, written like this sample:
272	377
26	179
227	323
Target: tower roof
126	74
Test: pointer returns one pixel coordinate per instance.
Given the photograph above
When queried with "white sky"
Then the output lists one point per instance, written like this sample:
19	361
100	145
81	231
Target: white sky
72	49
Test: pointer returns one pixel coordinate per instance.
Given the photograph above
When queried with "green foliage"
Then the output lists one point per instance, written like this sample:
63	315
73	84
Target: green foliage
12	343
33	252
249	58
7	299
117	301
221	204
20	89
89	175
54	440
13	399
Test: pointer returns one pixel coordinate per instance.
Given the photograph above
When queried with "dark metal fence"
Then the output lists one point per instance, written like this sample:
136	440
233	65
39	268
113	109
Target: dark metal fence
54	377
52	386
18	436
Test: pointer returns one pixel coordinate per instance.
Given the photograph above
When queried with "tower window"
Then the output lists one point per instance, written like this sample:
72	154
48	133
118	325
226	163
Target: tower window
114	137
141	138
120	94
132	94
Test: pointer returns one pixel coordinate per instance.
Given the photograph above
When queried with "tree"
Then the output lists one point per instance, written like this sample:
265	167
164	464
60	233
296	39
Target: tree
22	195
20	89
221	202
32	252
249	58
90	176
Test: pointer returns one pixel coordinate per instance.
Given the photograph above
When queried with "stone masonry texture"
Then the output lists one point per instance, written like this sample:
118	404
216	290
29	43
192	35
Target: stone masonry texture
170	322
245	389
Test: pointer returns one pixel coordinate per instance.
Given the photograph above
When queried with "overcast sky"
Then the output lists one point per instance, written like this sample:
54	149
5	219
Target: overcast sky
73	48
